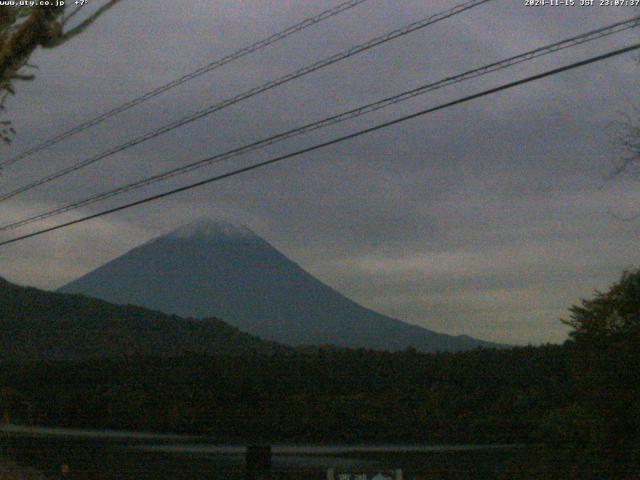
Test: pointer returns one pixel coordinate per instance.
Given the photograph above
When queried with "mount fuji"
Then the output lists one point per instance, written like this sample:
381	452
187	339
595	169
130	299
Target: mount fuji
224	270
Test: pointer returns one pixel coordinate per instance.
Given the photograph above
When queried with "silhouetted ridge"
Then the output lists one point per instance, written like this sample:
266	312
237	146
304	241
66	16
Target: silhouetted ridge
39	325
222	269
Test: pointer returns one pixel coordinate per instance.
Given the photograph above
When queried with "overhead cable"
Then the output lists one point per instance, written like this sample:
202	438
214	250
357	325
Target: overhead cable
344	116
319	146
248	94
265	42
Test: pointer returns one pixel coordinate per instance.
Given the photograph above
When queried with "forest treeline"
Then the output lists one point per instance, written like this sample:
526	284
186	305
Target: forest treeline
577	403
326	395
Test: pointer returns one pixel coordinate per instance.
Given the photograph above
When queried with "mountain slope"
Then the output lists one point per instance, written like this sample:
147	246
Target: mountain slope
227	271
39	325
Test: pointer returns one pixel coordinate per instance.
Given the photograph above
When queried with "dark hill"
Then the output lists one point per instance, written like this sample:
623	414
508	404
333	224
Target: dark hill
227	271
40	325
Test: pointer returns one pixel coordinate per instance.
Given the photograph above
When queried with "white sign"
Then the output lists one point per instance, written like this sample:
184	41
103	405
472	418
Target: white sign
333	474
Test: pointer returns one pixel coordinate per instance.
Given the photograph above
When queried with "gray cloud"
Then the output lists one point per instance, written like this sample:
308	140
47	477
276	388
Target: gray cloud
483	219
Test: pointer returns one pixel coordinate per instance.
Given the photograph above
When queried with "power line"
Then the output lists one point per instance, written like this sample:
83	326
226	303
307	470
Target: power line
276	37
251	93
350	114
319	146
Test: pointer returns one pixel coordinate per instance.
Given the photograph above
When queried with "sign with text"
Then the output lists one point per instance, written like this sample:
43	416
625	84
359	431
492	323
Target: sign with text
335	474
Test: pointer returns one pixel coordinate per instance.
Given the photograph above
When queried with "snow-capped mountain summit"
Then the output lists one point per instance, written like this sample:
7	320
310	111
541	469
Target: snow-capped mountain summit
222	269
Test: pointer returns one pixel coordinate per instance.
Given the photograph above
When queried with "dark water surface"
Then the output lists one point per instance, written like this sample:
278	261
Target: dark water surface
86	455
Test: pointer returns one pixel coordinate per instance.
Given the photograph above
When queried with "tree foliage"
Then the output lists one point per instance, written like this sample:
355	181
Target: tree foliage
605	365
328	395
580	400
609	317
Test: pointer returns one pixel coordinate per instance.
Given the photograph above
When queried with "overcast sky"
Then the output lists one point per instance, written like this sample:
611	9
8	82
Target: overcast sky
486	219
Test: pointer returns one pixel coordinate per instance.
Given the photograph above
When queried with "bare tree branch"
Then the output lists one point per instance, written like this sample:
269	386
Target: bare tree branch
22	31
65	37
623	218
